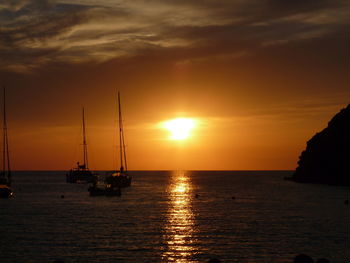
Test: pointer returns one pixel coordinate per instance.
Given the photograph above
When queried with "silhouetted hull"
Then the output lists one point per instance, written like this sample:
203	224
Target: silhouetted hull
5	191
4	179
81	176
120	181
113	191
96	191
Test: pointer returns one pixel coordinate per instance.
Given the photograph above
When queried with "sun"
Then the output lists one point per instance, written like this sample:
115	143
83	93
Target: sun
180	128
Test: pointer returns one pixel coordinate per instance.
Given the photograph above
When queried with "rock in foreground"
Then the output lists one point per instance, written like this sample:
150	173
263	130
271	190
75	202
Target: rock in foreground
326	159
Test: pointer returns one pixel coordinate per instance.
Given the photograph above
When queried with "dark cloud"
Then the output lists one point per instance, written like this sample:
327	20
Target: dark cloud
22	40
41	27
300	5
256	10
19	5
35	33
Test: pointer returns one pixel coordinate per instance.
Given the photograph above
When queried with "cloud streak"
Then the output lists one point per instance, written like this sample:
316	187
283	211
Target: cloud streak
36	33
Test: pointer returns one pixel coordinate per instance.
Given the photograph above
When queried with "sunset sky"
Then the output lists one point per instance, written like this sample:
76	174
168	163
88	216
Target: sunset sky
259	77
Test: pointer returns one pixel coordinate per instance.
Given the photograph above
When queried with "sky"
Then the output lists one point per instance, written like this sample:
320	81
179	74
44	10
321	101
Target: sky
260	77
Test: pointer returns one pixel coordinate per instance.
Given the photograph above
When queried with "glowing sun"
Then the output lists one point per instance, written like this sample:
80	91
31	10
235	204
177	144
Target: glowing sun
179	128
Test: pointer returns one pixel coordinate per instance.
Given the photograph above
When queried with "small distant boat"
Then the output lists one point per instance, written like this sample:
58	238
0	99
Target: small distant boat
81	173
5	191
5	174
119	179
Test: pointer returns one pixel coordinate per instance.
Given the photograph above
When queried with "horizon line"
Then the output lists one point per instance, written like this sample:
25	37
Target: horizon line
160	170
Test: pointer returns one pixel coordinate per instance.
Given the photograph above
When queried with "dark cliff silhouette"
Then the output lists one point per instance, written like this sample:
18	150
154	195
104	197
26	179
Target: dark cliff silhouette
326	159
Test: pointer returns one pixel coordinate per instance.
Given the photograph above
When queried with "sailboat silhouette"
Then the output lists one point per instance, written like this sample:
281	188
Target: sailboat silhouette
81	173
119	179
5	174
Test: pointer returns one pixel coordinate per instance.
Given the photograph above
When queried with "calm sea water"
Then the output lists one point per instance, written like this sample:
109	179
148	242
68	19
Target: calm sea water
236	216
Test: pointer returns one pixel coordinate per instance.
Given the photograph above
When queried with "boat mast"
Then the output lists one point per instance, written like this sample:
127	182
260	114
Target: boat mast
85	164
6	155
121	138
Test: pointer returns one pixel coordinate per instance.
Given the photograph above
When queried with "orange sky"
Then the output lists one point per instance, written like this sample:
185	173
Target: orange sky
261	78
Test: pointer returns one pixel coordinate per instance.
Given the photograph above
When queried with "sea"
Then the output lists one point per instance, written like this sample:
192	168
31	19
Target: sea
175	216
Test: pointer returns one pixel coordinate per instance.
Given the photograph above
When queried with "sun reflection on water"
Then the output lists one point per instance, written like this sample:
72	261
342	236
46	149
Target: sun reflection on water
179	228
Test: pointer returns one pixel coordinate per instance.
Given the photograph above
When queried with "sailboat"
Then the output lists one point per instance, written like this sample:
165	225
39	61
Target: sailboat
81	173
119	179
5	174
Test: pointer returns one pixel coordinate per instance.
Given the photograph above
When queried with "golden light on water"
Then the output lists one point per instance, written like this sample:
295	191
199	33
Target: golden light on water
180	220
179	128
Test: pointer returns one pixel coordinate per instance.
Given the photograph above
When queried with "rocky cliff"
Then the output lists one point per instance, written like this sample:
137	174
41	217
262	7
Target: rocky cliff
327	156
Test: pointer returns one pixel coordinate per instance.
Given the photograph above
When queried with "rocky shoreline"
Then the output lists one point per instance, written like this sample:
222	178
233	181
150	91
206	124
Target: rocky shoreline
326	159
